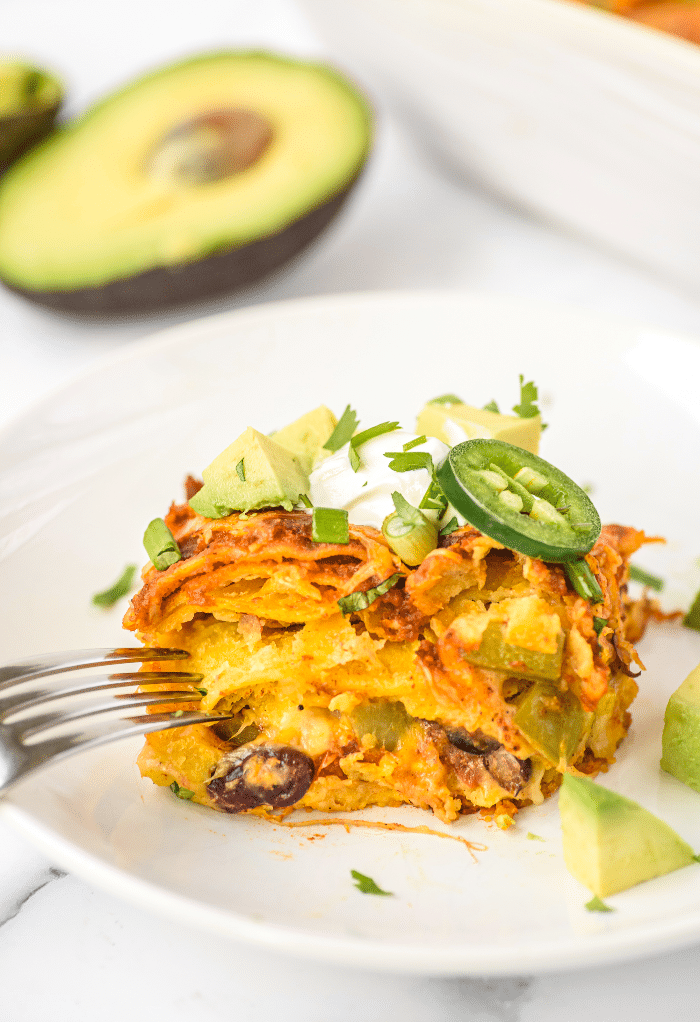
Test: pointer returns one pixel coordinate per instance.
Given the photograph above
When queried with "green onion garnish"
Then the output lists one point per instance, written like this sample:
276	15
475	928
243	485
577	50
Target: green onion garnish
599	624
583	580
362	438
181	792
367	885
646	579
240	470
329	525
347	424
160	545
446	399
408	461
451	527
692	618
415	443
360	601
408	532
527	409
304	498
596	905
492	407
121	587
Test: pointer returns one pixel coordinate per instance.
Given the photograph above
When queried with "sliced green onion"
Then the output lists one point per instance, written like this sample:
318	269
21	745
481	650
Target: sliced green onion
446	399
347	424
646	579
355	602
160	545
451	527
366	885
121	587
492	407
181	792
527	409
409	461
408	532
583	580
692	618
304	498
599	624
329	525
415	443
240	470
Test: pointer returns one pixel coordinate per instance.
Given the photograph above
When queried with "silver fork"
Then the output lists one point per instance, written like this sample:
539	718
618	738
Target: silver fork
32	734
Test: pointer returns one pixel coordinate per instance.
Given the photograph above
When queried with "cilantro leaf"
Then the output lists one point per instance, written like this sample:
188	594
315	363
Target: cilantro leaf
121	587
406	512
366	885
304	499
692	618
181	792
369	434
534	837
347	424
492	407
240	470
596	905
451	527
599	624
527	409
355	602
409	461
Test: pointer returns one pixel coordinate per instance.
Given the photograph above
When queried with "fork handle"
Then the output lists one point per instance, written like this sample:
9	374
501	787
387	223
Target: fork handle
57	663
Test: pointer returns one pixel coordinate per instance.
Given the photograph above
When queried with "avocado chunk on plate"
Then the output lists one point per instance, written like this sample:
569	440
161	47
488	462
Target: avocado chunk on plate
681	737
306	436
457	422
612	843
29	101
253	472
199	178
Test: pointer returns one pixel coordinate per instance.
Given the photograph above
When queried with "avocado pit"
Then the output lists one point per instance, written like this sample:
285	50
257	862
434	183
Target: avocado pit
211	147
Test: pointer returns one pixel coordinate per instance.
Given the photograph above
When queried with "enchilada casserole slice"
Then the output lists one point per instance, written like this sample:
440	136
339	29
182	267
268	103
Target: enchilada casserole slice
472	683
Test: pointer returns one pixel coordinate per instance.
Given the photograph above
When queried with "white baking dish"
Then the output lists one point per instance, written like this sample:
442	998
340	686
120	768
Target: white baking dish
586	118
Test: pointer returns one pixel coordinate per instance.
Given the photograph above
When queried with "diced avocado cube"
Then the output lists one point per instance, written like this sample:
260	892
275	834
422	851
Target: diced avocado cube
253	472
612	843
458	422
681	737
306	436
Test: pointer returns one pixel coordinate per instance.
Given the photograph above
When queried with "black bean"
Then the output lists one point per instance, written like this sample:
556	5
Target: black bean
261	775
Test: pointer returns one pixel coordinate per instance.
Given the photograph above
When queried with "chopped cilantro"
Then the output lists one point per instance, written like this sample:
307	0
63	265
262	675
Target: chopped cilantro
354	458
202	692
347	424
599	624
596	905
181	792
692	618
121	587
534	837
329	525
304	498
415	443
646	579
433	498
527	409
409	461
160	545
177	713
407	512
446	399
451	527
492	407
240	470
360	601
366	885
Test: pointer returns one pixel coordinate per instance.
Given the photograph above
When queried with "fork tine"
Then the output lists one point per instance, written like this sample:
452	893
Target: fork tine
118	703
30	696
57	663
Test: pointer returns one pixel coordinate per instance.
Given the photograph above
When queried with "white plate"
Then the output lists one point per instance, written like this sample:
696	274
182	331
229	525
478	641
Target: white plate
85	471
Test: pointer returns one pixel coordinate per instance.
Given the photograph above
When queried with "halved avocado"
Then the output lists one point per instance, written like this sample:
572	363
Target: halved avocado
29	101
194	180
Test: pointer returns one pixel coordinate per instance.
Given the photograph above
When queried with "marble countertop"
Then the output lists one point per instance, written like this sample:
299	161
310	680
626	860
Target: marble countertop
68	951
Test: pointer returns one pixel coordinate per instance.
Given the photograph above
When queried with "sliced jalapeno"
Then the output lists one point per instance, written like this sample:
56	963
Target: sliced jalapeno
520	500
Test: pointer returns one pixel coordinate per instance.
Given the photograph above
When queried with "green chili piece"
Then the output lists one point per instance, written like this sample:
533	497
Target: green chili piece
583	580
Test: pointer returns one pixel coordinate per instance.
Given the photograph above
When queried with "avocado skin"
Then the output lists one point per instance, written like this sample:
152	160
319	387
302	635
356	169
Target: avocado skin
167	287
20	132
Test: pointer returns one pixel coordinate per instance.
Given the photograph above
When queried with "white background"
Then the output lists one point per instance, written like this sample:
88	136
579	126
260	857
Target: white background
69	952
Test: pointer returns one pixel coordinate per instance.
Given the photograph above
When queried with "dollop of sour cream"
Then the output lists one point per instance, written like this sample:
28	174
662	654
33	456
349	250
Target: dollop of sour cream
366	494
